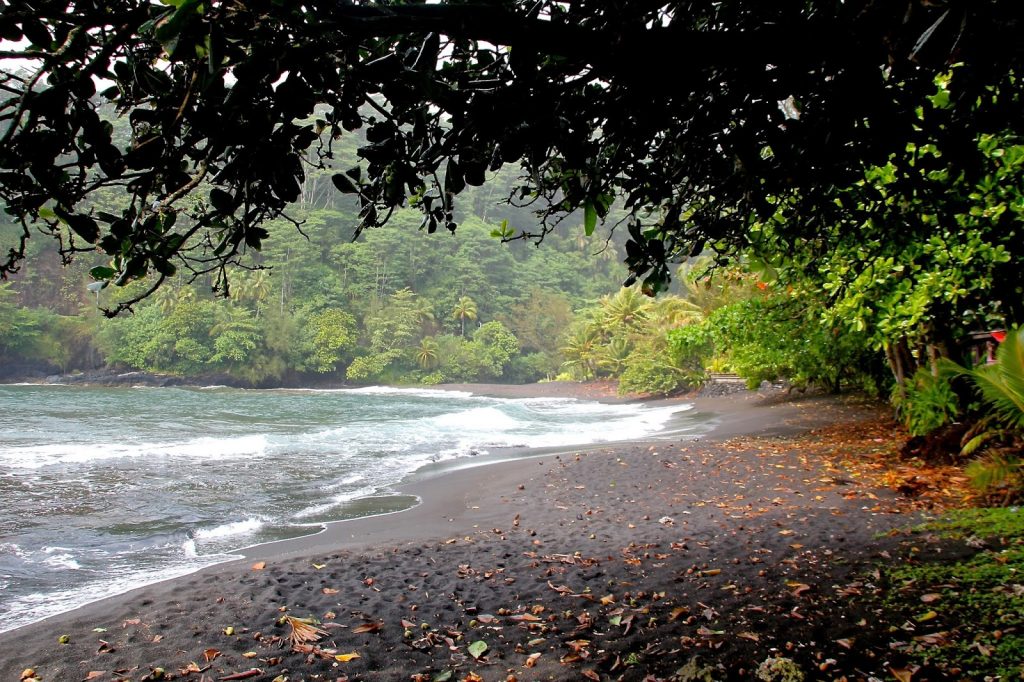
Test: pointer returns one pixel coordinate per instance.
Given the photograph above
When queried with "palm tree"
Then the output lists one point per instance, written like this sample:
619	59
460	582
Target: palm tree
581	351
612	356
426	353
465	309
669	312
424	314
627	308
254	286
166	298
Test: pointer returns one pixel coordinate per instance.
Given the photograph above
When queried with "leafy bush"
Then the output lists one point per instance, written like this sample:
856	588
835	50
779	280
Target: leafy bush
926	402
646	374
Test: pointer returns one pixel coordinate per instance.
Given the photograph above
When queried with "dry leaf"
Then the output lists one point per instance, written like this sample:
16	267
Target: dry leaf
330	590
373	626
345	658
210	655
250	654
845	643
931	597
749	635
252	672
798	588
529	617
901	674
93	674
259	565
591	675
303	631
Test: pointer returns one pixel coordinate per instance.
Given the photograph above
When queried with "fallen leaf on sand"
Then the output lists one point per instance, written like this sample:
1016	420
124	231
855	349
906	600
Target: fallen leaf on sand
845	643
330	591
529	617
373	626
591	675
303	631
472	677
902	674
259	565
798	588
250	654
211	654
93	674
931	597
319	566
477	648
245	674
345	658
749	635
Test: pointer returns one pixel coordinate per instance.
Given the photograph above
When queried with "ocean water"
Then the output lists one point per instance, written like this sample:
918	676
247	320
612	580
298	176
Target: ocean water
103	490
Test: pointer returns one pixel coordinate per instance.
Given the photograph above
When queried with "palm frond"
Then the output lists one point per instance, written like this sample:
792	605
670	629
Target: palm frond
1002	384
304	631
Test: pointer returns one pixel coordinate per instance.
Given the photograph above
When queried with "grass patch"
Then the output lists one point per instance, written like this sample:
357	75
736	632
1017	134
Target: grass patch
964	615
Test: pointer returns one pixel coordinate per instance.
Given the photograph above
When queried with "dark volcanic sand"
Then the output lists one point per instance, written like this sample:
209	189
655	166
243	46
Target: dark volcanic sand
610	563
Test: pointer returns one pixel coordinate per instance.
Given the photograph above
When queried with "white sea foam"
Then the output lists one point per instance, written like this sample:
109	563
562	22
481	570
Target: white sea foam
226	530
334	502
12	548
33	607
62	561
38	456
412	392
486	419
348	480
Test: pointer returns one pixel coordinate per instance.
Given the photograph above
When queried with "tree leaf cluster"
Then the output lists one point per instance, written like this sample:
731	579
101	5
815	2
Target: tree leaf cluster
704	117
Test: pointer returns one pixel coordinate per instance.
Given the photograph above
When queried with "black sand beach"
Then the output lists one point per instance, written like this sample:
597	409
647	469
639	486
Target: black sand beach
628	562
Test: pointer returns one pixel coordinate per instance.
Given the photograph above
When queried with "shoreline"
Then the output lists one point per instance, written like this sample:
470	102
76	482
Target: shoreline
423	486
455	506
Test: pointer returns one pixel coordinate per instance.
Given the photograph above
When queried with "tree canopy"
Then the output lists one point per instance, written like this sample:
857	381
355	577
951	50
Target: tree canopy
703	118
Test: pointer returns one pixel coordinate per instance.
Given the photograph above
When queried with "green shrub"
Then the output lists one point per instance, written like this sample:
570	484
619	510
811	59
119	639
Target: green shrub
926	402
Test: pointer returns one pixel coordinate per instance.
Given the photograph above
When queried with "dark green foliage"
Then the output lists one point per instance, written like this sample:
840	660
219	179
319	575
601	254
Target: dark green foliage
762	108
771	336
925	402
